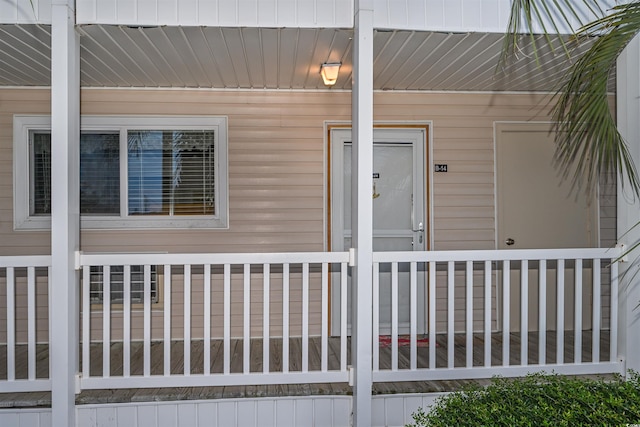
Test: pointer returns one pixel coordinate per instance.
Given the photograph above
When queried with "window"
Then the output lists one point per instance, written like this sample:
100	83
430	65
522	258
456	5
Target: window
146	172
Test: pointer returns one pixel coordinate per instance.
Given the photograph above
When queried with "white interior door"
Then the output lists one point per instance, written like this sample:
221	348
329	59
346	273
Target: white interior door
398	189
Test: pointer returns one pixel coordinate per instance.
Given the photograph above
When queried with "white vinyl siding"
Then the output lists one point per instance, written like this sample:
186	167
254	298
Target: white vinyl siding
277	165
426	15
25	12
218	13
329	411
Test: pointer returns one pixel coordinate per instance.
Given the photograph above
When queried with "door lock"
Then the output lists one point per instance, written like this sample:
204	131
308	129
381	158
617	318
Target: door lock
509	241
421	231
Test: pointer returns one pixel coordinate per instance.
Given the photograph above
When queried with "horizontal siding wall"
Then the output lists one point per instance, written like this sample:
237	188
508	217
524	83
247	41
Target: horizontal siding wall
431	15
330	411
277	171
277	177
443	15
487	16
25	12
222	13
490	16
24	101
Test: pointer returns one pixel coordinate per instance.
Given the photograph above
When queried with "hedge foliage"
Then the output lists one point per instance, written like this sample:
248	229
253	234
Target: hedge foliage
539	400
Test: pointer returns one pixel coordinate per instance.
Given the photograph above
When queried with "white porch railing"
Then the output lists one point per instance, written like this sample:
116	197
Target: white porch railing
552	306
24	304
248	319
243	302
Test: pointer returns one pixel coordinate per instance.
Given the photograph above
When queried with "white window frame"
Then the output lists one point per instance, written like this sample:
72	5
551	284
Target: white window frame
23	125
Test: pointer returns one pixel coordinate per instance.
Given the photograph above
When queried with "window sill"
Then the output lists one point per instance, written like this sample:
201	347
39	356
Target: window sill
36	223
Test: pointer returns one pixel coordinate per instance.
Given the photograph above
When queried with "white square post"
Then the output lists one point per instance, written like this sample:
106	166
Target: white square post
362	211
628	111
65	209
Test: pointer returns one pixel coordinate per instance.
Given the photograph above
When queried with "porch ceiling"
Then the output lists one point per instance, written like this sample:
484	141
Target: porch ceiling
274	58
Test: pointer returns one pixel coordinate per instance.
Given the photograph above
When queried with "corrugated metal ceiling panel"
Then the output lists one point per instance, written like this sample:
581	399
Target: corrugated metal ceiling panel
276	58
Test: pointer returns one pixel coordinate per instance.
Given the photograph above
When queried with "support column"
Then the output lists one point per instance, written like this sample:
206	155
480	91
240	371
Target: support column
628	110
362	211
65	209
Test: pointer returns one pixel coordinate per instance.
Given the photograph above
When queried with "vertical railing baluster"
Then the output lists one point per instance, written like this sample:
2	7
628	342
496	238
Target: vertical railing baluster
324	345
285	318
597	301
206	344
86	320
343	317
413	284
106	321
450	313
394	316
146	346
560	310
432	315
506	312
266	300
305	317
227	319
11	324
487	313
126	321
613	322
542	313
375	316
31	322
167	320
49	298
246	343
577	323
187	321
469	313
524	313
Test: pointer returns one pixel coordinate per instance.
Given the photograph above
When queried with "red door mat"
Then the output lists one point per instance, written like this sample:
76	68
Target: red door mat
404	340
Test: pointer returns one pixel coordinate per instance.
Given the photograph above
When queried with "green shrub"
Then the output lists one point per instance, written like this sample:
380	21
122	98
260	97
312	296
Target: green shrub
539	400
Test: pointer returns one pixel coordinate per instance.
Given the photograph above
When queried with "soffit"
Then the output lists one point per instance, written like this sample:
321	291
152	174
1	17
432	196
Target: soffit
277	58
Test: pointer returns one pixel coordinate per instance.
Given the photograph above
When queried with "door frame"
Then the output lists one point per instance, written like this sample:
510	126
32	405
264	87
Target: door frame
425	127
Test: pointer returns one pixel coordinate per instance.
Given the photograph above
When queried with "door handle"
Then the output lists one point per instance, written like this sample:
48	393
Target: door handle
421	231
509	241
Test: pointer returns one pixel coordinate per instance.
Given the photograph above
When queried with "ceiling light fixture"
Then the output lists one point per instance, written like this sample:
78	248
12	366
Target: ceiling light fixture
329	72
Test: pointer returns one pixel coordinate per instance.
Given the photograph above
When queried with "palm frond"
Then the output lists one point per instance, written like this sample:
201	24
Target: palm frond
588	141
586	133
549	18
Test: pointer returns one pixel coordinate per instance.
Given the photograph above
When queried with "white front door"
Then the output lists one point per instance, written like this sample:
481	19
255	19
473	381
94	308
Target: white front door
398	189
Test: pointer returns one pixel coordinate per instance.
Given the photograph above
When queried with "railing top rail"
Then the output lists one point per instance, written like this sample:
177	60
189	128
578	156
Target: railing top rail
25	261
499	255
218	259
340	257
